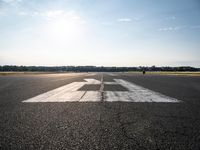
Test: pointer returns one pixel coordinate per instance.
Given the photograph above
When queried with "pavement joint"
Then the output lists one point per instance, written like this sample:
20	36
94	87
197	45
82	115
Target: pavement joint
102	88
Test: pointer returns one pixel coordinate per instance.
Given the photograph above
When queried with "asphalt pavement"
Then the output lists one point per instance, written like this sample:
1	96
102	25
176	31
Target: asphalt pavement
36	112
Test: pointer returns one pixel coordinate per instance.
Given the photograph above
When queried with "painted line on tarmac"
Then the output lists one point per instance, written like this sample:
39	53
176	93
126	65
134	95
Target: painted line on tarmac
137	93
70	93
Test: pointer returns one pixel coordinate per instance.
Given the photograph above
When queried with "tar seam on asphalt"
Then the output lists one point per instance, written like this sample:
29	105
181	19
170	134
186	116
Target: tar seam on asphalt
100	115
101	88
82	95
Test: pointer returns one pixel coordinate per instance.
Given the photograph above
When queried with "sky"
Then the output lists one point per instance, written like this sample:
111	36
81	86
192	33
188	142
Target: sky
100	32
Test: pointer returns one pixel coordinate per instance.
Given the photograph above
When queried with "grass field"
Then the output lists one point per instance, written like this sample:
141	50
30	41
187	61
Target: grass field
34	73
170	73
137	72
176	73
20	73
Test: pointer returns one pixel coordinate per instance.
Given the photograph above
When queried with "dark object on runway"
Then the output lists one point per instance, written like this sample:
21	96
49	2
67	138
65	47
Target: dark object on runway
143	71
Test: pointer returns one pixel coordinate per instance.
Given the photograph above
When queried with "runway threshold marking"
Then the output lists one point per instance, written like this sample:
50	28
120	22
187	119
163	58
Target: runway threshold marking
70	93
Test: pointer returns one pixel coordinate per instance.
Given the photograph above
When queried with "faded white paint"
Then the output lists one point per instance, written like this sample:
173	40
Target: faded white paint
92	81
91	96
113	83
70	93
141	94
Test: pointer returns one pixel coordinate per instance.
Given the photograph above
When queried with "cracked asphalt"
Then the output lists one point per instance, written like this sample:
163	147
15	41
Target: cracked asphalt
99	125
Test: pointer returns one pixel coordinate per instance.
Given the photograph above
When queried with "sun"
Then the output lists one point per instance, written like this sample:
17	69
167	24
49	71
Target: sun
65	28
64	25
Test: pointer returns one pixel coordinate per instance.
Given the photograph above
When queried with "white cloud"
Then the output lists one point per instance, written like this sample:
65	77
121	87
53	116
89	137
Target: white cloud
168	29
22	13
51	15
171	18
11	1
124	19
1	13
54	14
35	13
172	28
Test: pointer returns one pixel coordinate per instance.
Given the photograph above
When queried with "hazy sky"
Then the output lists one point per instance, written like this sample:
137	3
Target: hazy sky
100	32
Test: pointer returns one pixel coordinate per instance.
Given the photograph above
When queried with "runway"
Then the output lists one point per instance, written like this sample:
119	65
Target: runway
99	111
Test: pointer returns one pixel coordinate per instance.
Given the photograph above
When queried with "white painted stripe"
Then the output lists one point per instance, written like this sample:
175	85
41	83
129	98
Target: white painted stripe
68	96
70	93
91	96
57	93
128	85
114	83
65	97
92	81
126	97
117	96
141	94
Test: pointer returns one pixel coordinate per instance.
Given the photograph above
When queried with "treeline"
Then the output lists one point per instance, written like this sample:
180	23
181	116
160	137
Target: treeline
93	68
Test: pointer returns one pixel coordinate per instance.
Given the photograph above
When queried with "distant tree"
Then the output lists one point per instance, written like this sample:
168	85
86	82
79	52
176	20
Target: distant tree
94	68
